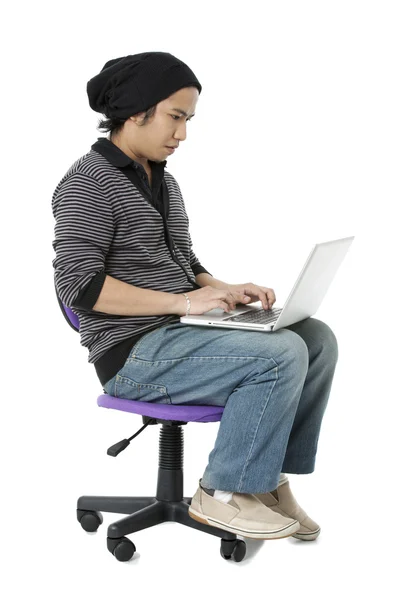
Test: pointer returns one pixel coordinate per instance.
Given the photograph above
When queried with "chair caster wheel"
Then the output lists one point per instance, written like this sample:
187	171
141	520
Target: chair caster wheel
122	548
89	519
235	549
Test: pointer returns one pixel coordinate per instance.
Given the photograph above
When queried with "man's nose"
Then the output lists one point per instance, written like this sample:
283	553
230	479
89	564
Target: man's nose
181	132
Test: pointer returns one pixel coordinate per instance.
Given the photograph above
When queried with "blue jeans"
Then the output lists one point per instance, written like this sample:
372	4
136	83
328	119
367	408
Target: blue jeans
274	387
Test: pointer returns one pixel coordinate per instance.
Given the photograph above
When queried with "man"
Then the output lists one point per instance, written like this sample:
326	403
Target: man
126	266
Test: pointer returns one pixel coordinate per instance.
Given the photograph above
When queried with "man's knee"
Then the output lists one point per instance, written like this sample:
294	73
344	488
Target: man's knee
324	335
284	346
295	349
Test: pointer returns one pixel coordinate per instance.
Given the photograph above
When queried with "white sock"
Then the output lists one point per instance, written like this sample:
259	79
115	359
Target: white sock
223	496
283	477
226	496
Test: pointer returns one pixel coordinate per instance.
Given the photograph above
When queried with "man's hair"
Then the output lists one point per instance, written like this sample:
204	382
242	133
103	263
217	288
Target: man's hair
115	124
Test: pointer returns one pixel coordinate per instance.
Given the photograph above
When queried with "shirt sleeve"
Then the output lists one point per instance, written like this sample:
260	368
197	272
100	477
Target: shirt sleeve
84	231
87	297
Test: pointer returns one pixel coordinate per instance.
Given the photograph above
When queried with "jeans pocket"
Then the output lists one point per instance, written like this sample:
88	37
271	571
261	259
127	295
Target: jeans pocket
126	387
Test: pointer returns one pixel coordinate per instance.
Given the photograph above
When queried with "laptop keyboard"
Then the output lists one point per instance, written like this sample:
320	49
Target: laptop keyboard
258	315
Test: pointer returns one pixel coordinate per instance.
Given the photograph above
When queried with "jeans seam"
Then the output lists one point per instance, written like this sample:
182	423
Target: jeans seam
225	357
276	369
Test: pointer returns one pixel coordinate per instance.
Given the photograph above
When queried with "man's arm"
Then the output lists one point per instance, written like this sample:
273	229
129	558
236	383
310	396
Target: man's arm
203	279
120	298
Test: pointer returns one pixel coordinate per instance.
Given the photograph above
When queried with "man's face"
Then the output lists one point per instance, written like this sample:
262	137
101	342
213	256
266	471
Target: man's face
166	128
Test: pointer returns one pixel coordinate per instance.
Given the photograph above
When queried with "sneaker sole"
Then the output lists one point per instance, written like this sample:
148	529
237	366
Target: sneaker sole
307	537
262	535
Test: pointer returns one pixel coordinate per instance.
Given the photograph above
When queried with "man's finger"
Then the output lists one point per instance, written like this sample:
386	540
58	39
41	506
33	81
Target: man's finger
264	299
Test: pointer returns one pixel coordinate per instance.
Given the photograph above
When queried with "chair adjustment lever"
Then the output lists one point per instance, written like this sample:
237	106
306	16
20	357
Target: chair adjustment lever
117	448
120	446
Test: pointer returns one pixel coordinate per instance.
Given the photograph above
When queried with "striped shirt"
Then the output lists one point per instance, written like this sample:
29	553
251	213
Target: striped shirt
110	222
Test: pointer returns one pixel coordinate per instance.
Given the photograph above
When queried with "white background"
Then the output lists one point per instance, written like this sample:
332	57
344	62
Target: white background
295	141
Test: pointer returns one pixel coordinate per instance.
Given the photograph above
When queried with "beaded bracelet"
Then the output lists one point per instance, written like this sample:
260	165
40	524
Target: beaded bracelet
187	303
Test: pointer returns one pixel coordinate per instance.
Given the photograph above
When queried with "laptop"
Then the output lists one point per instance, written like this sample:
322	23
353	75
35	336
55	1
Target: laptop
303	301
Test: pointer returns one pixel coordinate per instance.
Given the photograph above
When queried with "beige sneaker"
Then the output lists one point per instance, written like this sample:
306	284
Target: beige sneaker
243	515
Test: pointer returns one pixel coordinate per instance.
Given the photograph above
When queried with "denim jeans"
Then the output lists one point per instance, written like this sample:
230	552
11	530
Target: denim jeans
274	387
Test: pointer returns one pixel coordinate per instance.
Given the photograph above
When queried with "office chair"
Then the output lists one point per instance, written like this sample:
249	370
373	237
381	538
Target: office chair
168	503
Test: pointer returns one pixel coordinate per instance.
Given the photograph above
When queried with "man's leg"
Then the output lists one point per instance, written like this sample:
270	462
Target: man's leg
323	355
258	378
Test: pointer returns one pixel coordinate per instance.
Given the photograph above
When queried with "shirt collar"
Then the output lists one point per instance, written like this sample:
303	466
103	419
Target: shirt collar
116	157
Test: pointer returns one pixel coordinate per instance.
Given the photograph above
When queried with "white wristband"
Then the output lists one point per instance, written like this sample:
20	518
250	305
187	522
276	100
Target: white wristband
187	303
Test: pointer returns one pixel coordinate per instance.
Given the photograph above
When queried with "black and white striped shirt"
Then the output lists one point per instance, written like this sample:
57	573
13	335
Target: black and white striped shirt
109	222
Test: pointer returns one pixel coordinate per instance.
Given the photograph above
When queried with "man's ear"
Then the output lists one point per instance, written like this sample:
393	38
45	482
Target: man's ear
135	118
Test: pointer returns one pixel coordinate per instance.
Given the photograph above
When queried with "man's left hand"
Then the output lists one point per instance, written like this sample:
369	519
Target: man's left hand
255	292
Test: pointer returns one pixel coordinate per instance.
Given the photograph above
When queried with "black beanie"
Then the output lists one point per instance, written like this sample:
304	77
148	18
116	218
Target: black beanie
131	84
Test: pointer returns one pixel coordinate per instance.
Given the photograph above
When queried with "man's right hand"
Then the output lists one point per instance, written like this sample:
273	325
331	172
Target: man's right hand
206	299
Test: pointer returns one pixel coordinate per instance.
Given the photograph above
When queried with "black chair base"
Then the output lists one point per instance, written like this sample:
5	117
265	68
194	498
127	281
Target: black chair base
146	511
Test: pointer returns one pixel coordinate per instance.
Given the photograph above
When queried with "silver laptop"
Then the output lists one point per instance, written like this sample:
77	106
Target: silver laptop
303	301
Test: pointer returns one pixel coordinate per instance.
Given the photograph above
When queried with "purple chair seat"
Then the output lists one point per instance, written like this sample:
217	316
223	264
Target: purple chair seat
182	412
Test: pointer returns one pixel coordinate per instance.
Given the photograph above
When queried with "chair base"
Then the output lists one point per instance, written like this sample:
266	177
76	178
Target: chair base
142	512
146	511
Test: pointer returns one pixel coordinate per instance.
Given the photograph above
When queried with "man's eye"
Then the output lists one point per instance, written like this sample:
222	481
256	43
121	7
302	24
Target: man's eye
175	117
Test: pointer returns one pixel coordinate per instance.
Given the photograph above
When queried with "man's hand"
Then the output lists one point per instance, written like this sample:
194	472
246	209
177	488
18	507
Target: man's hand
255	293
